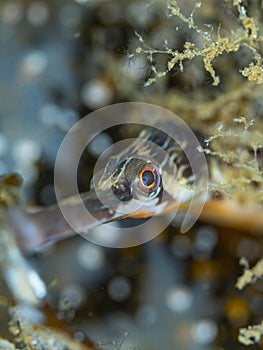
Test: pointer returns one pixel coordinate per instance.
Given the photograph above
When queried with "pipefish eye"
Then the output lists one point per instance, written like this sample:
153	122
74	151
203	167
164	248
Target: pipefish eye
149	178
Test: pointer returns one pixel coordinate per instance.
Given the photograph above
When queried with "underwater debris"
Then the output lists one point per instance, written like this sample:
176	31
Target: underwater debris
251	335
30	336
250	275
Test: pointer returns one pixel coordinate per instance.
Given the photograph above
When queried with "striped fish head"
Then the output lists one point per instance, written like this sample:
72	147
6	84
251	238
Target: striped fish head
154	173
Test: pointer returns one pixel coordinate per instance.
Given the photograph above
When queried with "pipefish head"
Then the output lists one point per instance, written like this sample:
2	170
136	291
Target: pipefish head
155	178
137	179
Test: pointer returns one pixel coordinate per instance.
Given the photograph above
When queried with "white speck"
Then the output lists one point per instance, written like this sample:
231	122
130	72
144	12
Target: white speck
204	331
26	151
119	288
219	126
90	256
38	13
99	144
96	93
179	299
34	64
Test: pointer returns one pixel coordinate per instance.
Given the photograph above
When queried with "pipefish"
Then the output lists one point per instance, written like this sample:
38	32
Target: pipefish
160	178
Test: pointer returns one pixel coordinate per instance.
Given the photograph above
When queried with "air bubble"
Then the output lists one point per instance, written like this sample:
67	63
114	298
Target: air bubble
204	331
34	64
179	299
91	257
96	93
119	288
26	151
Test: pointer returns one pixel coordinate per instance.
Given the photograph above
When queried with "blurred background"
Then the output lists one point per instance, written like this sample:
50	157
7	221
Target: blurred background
59	61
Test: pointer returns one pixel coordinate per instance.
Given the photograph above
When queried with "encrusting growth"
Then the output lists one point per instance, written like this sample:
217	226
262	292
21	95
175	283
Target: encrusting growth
210	45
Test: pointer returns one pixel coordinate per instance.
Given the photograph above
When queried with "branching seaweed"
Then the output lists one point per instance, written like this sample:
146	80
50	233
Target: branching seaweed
246	35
